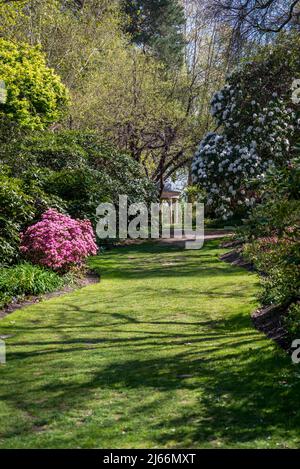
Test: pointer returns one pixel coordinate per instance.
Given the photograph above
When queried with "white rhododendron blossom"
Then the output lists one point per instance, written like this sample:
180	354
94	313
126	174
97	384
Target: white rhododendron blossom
255	137
222	167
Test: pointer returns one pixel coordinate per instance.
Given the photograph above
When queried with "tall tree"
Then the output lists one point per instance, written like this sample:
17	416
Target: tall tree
253	21
157	25
263	16
122	91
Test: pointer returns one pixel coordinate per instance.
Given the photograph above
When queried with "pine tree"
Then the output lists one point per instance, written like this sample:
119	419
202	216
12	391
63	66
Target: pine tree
157	25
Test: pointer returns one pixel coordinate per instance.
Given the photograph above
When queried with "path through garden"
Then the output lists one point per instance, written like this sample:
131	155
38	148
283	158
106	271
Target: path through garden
161	353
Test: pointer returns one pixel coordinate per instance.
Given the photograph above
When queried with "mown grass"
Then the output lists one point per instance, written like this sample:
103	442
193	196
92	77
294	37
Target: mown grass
161	354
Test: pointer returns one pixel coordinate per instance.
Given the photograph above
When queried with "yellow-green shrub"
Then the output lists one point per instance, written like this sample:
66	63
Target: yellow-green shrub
35	95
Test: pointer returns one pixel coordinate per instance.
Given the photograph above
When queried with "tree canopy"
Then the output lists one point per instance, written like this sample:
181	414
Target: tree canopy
253	21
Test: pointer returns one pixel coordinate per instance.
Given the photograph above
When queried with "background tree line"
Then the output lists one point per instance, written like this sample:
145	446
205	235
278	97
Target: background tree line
139	73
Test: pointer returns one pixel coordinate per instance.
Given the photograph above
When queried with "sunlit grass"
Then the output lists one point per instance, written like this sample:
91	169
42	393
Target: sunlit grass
161	353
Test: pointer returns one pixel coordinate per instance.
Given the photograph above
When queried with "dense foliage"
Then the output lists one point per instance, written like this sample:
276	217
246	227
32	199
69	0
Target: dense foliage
255	112
16	210
78	171
35	95
22	200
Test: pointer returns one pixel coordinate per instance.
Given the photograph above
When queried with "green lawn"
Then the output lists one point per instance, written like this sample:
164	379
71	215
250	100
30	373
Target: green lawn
161	353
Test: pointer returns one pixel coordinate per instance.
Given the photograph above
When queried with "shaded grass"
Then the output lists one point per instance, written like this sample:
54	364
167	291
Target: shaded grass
161	353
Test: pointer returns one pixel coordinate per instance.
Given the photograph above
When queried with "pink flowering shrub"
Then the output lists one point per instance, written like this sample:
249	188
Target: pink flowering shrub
58	241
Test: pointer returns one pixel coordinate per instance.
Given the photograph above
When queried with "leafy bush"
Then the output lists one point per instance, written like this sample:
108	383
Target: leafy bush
124	174
16	210
278	214
52	150
272	236
79	169
278	261
71	172
22	201
36	96
259	125
26	279
81	189
292	320
58	241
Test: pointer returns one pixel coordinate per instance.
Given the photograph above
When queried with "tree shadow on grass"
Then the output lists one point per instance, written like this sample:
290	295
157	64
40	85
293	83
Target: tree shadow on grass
154	260
242	392
240	400
241	403
232	373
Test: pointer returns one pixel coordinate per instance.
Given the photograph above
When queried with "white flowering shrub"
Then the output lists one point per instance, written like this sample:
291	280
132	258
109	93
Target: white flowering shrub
258	121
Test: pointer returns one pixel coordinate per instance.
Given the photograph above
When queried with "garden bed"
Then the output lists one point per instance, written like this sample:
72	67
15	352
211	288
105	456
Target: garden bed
89	278
236	258
269	320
